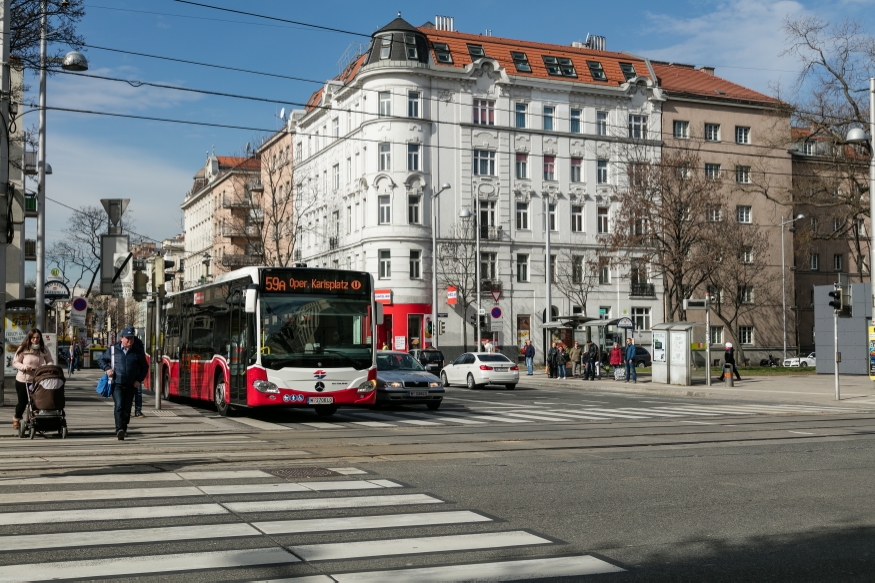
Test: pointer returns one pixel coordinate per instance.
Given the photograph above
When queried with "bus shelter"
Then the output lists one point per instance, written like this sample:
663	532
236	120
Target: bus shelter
605	333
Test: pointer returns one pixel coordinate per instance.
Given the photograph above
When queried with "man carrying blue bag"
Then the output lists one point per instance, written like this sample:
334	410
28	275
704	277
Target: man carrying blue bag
127	369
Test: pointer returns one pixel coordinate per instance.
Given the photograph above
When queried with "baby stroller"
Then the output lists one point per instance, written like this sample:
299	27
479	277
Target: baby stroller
45	403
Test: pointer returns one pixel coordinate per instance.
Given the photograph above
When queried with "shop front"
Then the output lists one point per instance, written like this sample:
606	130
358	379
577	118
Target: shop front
405	326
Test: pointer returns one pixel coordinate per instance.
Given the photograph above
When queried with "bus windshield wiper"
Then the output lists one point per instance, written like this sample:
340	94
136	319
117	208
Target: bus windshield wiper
355	363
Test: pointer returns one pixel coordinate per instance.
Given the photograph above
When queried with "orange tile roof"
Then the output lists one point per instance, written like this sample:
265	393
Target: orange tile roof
680	79
345	77
499	49
239	163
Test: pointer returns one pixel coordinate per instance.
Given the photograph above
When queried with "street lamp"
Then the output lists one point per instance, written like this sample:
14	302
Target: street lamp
76	62
858	136
206	262
434	285
548	316
466	214
784	278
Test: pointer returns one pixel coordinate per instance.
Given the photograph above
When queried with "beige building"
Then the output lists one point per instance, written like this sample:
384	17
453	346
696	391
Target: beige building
740	137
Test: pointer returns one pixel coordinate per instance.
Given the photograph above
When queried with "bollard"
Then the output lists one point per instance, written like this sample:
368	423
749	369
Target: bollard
728	377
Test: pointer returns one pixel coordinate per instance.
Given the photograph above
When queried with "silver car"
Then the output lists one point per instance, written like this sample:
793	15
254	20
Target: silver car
402	380
478	369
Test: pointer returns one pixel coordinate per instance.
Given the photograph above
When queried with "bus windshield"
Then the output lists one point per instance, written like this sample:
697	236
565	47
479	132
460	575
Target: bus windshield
301	330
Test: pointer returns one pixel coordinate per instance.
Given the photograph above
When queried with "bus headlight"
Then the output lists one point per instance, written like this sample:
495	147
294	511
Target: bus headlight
265	387
367	387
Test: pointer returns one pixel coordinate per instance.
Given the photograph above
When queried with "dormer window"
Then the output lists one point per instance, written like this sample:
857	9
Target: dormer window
628	70
442	53
552	64
410	45
476	52
596	70
521	62
560	67
386	46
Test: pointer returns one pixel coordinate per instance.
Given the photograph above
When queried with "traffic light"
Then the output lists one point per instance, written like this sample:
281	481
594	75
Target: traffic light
841	300
428	327
141	286
442	327
474	320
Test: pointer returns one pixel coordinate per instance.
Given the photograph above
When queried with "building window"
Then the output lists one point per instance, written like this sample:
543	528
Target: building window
742	174
413	98
604	273
596	70
628	70
385	264
522	216
484	112
476	52
348	220
442	53
602	172
335	170
414	209
487	266
385	205
603	220
575	121
712	132
742	135
522	165
521	62
712	171
410	45
522	267
385	157
746	255
576	170
385	104
349	170
521	109
576	269
576	219
742	214
549	167
484	163
745	334
385	46
548	118
413	157
837	262
837	224
552	269
641	318
714	213
638	127
814	225
814	262
559	66
601	123
745	294
682	130
335	127
552	216
716	334
808	147
415	264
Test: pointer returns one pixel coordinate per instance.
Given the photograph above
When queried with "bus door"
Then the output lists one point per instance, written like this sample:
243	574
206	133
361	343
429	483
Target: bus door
240	348
184	367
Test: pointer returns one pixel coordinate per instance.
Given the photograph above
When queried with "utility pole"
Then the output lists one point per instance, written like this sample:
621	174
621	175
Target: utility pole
41	176
5	96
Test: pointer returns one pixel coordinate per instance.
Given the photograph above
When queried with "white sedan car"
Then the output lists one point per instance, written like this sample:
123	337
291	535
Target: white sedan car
801	361
478	369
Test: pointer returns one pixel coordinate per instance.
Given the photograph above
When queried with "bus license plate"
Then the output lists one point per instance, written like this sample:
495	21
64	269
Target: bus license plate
320	400
417	393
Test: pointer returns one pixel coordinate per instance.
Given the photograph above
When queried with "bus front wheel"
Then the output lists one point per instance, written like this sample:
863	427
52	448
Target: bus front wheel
220	398
325	410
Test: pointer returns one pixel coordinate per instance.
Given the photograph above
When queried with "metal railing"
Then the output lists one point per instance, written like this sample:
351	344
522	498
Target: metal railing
30	249
240	260
642	290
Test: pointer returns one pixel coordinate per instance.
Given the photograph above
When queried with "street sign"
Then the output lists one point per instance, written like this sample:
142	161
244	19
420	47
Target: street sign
56	290
602	311
123	286
482	311
55	275
691	304
496	312
496	295
443	315
625	323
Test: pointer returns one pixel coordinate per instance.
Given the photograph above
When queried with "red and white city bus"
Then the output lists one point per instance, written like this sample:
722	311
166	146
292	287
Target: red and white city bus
269	336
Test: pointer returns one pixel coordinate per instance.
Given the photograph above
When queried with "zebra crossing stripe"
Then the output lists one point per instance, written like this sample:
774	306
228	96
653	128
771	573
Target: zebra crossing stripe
129	566
322	425
329	503
653	412
685	412
102	514
535	417
258	424
413	546
372	424
369	522
127	478
579	416
116	494
298	487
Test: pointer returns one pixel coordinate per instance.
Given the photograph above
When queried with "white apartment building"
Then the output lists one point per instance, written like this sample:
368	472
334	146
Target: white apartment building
513	126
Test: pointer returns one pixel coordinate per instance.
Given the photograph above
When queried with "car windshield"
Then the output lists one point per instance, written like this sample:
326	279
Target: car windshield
431	356
492	358
397	362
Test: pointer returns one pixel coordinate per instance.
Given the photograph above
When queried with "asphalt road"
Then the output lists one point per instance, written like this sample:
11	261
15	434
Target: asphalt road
550	481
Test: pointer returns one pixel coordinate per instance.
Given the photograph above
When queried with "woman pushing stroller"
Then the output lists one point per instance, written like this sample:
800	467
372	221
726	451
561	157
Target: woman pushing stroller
31	355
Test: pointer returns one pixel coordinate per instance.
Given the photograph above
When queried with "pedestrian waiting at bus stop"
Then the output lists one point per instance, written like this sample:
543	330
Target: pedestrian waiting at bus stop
126	366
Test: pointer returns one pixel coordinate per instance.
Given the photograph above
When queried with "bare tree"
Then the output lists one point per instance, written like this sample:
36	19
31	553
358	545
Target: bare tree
457	267
576	274
63	17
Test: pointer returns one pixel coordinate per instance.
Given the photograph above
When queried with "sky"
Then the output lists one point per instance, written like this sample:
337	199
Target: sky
153	163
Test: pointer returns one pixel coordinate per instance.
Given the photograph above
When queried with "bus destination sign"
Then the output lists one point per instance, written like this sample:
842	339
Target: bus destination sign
314	281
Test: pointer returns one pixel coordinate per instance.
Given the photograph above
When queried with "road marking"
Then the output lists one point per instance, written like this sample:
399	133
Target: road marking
115	494
372	424
802	433
328	503
443	418
545	417
412	546
323	425
298	487
224	475
489	418
699	422
503	571
347	471
712	410
122	566
418	422
101	514
125	537
368	522
610	413
259	424
685	412
578	416
651	411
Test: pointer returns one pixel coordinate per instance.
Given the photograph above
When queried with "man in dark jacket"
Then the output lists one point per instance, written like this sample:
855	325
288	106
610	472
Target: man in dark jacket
630	360
529	353
730	359
127	373
592	356
552	361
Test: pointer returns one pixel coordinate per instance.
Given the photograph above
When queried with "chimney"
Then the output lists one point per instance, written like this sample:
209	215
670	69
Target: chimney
708	70
595	42
446	23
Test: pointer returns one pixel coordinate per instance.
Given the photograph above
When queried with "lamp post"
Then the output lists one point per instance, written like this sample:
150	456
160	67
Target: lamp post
434	277
465	214
73	61
784	278
548	316
206	262
858	136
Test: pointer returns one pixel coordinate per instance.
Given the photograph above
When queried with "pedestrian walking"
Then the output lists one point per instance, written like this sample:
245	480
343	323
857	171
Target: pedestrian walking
552	361
29	356
729	358
592	356
125	364
529	353
616	358
630	361
575	354
562	363
73	355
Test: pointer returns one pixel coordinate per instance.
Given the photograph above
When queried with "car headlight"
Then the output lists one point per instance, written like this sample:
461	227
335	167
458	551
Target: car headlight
434	385
395	385
265	387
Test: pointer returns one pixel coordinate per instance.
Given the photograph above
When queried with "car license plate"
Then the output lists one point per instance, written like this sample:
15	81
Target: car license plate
501	369
417	393
320	400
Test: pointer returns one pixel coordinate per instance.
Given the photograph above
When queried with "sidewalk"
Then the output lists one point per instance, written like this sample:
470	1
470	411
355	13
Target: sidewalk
856	391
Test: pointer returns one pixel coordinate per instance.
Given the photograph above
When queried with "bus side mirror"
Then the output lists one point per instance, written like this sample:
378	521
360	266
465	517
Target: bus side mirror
379	314
251	297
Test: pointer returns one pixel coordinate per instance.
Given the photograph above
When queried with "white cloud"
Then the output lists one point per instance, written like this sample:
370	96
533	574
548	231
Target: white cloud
742	38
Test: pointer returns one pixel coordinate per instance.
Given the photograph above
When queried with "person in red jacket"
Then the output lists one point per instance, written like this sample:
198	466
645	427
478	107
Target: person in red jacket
616	358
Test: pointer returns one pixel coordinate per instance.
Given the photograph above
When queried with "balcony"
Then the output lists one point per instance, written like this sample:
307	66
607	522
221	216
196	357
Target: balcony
297	255
490	233
489	285
256	186
642	290
30	206
229	202
333	243
235	261
30	249
248	231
